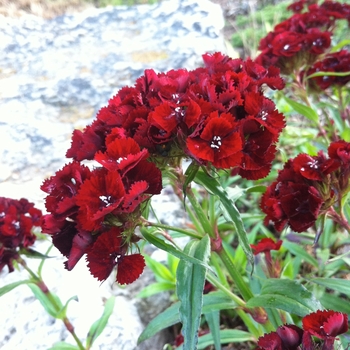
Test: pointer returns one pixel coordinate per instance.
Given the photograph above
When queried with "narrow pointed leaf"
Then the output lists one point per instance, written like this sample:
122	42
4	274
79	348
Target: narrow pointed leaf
190	174
9	287
189	289
52	306
306	111
31	253
63	312
155	288
63	346
230	211
99	325
161	244
213	320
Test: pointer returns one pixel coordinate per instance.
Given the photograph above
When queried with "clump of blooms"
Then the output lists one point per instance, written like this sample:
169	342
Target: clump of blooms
299	40
17	220
336	62
307	187
95	209
216	115
323	324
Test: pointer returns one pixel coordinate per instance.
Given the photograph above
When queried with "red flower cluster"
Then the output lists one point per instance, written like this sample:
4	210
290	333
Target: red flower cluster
306	187
17	219
325	325
96	211
298	40
216	115
336	62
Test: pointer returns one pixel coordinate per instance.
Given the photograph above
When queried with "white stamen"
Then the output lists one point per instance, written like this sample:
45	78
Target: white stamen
216	142
286	47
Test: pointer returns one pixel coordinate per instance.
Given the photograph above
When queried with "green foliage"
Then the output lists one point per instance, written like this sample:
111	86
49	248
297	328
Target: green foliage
252	27
99	325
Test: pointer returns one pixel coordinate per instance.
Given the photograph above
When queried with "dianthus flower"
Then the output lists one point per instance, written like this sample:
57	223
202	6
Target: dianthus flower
286	337
85	204
336	62
326	325
17	219
299	40
217	115
305	188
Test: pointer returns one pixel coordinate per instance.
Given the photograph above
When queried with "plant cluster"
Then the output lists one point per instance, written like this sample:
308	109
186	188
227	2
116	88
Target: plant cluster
223	120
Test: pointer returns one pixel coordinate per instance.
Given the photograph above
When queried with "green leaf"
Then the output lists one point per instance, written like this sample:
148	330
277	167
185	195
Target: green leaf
99	325
31	253
226	336
155	288
211	302
298	250
190	174
189	288
159	269
286	295
9	287
213	320
230	211
333	302
306	111
161	244
338	284
340	45
331	74
63	312
51	305
257	188
63	346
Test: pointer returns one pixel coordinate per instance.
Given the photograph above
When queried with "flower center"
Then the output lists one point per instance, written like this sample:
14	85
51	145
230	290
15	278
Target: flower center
216	142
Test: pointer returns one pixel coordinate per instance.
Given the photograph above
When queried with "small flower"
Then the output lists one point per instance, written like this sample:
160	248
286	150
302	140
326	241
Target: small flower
17	219
109	251
325	323
286	337
266	245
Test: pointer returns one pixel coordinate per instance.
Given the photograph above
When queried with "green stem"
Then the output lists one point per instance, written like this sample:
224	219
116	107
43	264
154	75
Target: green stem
240	302
235	275
43	287
203	218
172	228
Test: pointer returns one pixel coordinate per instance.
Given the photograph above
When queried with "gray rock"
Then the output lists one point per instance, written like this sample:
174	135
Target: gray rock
54	76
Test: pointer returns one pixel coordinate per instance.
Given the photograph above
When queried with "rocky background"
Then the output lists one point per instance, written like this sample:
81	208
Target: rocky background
55	74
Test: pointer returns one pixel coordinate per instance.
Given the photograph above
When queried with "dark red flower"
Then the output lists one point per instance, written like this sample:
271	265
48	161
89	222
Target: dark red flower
291	199
325	323
109	251
62	189
270	341
314	167
100	195
218	143
338	62
266	245
340	150
286	337
287	44
17	220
